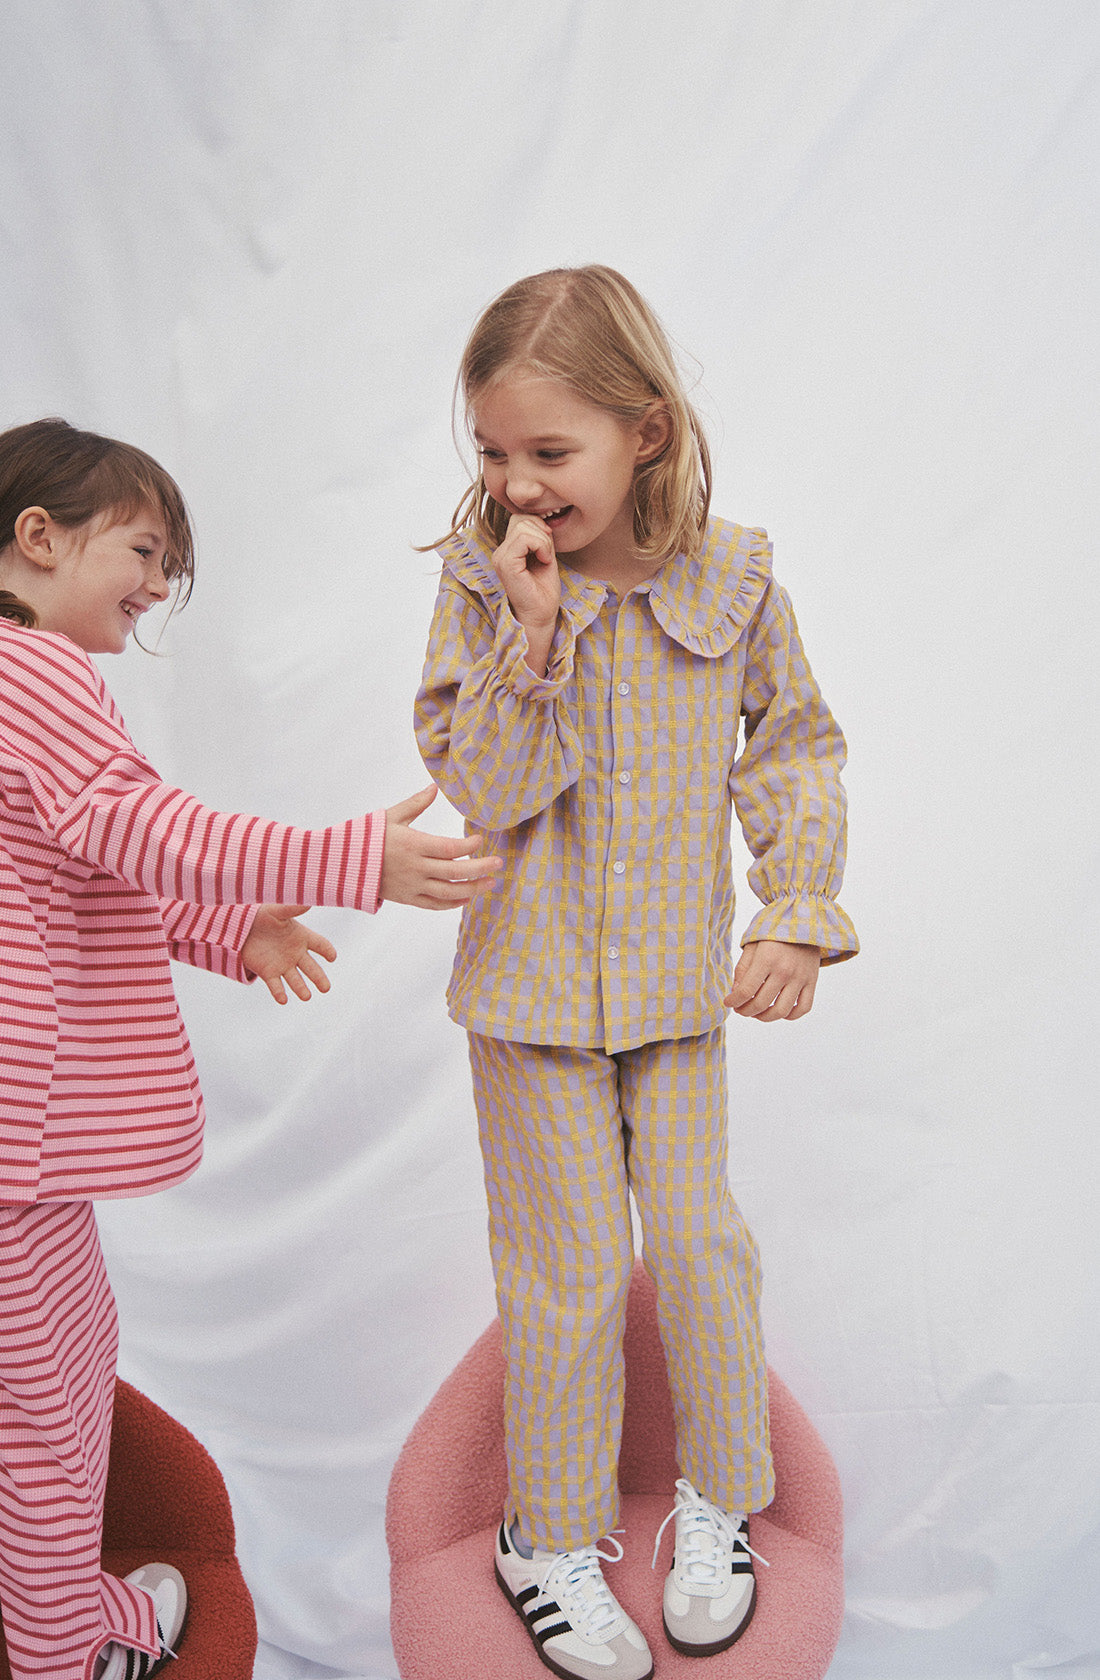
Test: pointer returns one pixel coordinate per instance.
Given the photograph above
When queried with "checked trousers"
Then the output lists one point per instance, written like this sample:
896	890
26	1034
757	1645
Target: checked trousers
566	1135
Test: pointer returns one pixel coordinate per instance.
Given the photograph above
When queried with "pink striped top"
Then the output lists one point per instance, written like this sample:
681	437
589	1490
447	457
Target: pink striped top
106	872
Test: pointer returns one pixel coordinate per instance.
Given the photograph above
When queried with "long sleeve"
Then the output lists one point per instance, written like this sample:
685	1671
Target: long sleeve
209	936
787	791
104	804
106	871
497	739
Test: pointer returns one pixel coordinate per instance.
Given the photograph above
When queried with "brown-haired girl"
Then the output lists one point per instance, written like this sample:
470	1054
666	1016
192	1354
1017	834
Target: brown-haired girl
609	669
105	873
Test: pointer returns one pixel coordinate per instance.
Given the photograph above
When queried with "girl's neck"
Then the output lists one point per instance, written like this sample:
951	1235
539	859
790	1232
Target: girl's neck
612	558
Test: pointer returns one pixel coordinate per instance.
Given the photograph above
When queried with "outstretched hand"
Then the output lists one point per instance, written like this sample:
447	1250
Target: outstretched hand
774	981
279	948
432	871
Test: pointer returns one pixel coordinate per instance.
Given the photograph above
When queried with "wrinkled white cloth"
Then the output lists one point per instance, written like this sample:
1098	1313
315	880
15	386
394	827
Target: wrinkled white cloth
252	238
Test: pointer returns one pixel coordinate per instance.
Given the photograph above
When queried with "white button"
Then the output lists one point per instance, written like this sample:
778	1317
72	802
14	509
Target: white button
619	868
612	951
624	688
624	776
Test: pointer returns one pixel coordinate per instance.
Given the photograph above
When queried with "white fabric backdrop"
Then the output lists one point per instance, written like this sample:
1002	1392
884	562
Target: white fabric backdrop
252	238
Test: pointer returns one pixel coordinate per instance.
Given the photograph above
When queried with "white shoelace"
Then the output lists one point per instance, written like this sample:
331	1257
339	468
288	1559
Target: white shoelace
702	1538
576	1581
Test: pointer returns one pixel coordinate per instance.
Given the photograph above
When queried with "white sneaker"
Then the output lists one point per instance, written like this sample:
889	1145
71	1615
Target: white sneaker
578	1627
710	1591
166	1588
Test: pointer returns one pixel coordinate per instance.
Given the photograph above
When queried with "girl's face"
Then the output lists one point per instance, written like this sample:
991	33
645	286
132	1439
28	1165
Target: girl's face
546	451
101	578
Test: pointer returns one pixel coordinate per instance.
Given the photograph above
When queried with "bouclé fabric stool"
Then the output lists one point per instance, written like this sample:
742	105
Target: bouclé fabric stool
449	1619
166	1503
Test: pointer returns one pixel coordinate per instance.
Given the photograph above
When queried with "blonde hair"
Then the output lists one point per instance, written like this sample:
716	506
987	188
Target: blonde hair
590	329
76	475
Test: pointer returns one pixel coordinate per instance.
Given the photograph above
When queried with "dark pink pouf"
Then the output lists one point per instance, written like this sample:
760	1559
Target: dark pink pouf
166	1502
450	1620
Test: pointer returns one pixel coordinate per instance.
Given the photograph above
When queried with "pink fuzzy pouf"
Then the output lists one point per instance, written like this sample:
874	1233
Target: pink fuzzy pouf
450	1620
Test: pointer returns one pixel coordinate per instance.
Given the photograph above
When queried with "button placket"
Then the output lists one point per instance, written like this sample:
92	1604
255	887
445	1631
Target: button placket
622	750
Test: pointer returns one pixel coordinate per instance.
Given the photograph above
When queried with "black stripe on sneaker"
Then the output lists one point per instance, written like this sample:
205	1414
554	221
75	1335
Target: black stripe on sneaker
545	1618
541	1611
140	1663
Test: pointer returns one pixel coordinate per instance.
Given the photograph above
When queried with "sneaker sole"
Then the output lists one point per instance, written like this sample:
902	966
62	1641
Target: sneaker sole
687	1650
547	1662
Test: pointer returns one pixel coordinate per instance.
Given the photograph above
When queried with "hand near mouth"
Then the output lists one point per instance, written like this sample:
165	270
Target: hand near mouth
527	567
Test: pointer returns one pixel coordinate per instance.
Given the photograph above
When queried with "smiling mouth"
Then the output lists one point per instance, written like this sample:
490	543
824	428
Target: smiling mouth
557	515
133	612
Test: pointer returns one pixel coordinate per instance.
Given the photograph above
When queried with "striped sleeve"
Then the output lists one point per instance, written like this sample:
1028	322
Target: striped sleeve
209	936
104	803
495	737
787	791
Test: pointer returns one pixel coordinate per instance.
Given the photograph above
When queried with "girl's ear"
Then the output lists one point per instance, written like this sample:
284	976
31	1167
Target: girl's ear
34	537
655	431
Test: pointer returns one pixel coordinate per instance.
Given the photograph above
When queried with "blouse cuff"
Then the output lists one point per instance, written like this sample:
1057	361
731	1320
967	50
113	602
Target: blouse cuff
510	653
806	919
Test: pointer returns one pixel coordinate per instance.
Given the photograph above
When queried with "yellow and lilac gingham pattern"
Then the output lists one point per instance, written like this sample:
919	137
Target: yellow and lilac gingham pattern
607	787
564	1133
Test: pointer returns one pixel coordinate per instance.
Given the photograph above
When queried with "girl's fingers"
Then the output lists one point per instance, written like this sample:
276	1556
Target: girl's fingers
440	853
450	846
407	810
297	985
312	971
784	1004
468	870
541	544
444	894
465	869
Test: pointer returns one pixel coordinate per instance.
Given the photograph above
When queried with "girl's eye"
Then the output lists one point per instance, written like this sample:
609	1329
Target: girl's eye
552	454
144	552
491	455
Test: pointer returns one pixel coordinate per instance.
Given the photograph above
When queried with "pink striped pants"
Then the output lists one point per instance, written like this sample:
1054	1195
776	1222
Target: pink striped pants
58	1342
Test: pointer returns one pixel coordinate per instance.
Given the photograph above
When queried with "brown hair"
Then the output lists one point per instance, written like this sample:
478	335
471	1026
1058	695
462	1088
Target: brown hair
590	329
75	475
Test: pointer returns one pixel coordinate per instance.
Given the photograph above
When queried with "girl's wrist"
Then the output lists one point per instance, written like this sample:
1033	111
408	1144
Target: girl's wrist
541	629
539	643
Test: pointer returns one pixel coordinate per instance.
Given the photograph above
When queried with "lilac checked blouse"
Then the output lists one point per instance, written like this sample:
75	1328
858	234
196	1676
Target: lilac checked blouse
607	788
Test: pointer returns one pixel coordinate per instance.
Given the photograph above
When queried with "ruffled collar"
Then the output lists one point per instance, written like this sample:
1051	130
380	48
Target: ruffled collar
703	602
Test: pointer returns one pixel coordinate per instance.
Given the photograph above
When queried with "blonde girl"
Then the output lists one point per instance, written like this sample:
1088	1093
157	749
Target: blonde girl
105	873
610	669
